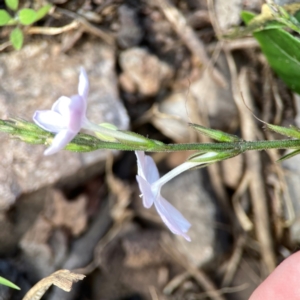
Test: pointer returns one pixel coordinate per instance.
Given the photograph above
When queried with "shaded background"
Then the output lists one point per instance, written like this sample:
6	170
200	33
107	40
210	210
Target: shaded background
153	67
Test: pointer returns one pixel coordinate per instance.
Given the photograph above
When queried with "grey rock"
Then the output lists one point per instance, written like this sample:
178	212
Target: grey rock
217	101
173	114
143	72
130	33
34	78
228	12
188	193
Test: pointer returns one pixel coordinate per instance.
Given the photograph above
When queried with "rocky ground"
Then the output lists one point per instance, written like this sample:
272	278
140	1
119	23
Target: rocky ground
153	66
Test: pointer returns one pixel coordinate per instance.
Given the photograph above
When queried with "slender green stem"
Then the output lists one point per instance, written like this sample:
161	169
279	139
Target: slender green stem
241	146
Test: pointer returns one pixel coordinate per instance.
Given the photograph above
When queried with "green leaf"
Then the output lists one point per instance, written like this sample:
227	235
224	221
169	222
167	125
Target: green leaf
8	283
12	4
290	132
289	155
4	17
247	16
27	16
16	38
42	12
216	134
211	157
282	52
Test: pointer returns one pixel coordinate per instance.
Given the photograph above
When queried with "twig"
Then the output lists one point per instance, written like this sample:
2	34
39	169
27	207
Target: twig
53	30
234	261
224	290
257	190
88	26
240	44
189	37
5	45
176	282
197	274
245	222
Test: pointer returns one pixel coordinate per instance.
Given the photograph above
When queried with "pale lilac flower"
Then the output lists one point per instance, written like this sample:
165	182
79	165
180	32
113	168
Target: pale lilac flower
150	185
66	117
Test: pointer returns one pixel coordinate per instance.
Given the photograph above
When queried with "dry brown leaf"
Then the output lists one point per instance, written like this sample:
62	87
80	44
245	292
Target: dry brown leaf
63	279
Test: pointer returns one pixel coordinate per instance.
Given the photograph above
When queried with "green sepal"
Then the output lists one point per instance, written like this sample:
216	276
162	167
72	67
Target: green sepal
8	283
25	125
140	141
27	16
290	132
289	155
5	17
105	137
23	131
216	134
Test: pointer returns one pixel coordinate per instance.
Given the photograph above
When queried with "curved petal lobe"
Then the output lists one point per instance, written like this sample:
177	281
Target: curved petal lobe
151	171
146	167
49	120
62	106
83	85
60	141
172	217
146	191
76	113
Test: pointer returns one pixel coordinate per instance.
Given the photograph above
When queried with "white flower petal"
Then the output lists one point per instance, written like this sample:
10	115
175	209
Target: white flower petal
145	188
62	106
140	155
174	220
151	170
60	141
146	167
49	120
83	85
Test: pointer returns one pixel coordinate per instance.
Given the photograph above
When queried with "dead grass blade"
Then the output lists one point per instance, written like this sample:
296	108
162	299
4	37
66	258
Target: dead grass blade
63	279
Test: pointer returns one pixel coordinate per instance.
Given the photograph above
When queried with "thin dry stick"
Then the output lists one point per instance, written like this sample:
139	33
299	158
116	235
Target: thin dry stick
175	283
258	197
87	26
197	274
225	290
189	37
234	262
240	44
245	222
5	45
52	30
257	189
